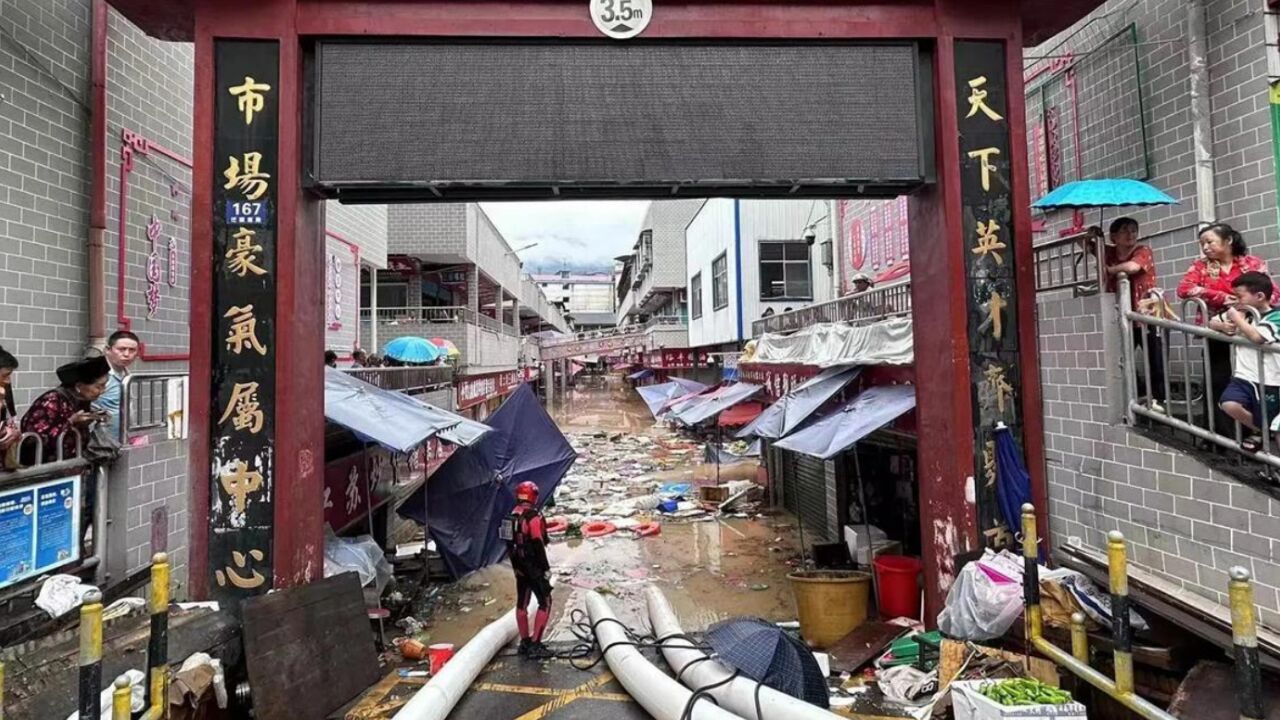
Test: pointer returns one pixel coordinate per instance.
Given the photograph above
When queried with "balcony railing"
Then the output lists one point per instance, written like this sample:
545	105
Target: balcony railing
1068	262
1188	367
665	321
876	304
409	380
453	314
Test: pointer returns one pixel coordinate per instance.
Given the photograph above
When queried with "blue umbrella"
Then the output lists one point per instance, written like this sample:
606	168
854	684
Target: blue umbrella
412	350
1013	482
765	653
1103	193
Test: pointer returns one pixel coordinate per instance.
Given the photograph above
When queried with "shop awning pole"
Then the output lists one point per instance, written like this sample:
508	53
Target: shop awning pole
866	524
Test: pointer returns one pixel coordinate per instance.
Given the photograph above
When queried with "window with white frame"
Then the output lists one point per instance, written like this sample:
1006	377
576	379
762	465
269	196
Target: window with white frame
784	270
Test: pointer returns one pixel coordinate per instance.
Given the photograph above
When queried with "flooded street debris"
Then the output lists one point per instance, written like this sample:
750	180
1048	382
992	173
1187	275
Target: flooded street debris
629	513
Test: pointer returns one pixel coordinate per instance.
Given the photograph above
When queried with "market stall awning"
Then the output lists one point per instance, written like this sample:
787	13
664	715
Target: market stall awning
656	397
740	414
689	386
856	419
640	374
716	403
785	415
391	419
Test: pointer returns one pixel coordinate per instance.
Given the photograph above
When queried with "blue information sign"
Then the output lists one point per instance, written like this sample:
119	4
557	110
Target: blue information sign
247	213
39	528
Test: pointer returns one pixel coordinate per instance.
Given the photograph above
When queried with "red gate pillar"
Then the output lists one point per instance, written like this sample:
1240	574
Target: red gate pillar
973	289
260	525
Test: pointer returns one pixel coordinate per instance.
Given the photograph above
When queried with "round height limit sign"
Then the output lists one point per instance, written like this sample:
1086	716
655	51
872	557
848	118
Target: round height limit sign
621	19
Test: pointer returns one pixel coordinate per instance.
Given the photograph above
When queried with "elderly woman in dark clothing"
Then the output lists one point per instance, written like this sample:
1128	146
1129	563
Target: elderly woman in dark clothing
55	413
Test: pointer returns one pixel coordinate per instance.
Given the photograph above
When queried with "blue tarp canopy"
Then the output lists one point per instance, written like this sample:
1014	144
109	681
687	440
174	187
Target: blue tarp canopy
834	433
640	374
721	456
391	419
785	415
716	403
657	396
468	496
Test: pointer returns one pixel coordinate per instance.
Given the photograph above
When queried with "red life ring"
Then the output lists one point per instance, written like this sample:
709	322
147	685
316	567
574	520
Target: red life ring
557	525
597	529
648	529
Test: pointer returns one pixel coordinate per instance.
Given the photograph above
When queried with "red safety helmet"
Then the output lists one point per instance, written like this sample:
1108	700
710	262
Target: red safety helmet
527	491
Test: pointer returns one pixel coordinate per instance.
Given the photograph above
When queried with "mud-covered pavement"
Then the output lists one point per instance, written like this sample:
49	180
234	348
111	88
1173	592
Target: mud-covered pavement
710	567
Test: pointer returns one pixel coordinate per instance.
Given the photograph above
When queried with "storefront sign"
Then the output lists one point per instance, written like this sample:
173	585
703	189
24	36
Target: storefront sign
476	389
347	483
39	528
242	415
333	291
778	380
985	187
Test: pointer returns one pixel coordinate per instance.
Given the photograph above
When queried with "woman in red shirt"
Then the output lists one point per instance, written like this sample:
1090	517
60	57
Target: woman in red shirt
1226	257
1125	255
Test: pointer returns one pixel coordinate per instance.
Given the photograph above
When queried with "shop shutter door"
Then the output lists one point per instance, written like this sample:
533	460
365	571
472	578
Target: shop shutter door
805	492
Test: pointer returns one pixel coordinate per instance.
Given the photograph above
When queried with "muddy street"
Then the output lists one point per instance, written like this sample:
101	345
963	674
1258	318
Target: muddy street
709	567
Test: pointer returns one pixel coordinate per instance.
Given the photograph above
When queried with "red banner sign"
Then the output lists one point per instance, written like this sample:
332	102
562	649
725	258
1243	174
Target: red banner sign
476	389
778	380
346	486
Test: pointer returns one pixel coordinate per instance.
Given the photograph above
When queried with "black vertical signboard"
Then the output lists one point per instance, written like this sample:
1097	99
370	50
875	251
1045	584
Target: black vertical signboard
242	415
990	265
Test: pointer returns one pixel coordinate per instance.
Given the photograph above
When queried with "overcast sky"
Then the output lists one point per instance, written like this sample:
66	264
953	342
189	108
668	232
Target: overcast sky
572	234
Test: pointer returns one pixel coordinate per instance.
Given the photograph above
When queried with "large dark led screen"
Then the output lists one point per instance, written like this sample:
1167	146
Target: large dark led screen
610	112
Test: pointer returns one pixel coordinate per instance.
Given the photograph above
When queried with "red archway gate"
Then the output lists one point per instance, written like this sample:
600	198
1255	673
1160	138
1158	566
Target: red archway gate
256	457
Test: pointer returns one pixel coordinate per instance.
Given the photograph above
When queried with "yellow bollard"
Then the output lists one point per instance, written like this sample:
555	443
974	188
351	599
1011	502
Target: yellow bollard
158	646
1244	636
121	699
1079	638
1122	632
90	654
1031	572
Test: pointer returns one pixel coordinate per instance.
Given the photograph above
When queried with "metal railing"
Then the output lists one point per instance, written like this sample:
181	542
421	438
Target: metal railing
880	303
145	403
666	321
1068	262
405	379
1192	340
496	325
419	315
1121	687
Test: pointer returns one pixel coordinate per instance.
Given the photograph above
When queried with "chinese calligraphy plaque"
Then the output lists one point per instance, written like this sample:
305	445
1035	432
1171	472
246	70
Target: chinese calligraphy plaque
242	416
990	265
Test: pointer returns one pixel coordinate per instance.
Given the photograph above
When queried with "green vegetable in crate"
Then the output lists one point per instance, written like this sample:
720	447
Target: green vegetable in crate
1024	691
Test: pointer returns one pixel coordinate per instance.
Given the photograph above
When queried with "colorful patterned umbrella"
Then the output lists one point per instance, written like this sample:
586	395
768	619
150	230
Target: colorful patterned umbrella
447	346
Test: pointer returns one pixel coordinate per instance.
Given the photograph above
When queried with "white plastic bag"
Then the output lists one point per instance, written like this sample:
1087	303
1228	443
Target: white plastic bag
61	594
360	555
979	607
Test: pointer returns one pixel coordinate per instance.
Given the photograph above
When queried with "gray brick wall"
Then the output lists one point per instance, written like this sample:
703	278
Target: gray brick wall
667	220
428	231
1185	522
44	215
364	225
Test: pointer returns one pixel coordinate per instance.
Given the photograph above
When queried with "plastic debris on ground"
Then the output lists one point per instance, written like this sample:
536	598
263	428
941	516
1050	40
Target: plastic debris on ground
61	594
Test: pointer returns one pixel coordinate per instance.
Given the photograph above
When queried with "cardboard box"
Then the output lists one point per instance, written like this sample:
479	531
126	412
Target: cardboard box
969	704
713	493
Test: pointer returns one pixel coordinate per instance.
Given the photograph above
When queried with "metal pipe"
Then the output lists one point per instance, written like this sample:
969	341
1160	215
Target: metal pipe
1121	630
1126	334
95	242
100	522
1244	638
1079	638
373	309
90	654
121	699
1201	111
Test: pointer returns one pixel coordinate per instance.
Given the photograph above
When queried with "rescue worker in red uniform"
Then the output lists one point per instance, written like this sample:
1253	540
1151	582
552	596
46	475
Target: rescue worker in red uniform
525	531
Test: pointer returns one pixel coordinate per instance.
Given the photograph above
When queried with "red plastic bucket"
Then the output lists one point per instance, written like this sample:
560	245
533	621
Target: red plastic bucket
898	578
439	654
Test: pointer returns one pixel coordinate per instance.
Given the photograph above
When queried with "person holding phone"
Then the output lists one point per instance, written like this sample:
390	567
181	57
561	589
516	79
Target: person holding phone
69	406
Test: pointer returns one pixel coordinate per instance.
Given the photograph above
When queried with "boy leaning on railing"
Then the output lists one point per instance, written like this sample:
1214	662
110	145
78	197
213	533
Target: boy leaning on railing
1243	397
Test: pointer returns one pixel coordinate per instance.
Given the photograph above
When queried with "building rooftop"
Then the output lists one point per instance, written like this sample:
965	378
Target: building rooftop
592	318
574	279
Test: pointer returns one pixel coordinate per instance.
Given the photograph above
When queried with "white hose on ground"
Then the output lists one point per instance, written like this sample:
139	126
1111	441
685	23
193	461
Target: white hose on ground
662	697
738	695
436	699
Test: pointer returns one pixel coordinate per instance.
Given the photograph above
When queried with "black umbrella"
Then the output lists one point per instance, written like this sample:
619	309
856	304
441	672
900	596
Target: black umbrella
765	653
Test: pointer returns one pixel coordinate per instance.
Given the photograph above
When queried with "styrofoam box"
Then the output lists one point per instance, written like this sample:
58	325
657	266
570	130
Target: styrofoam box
855	536
969	704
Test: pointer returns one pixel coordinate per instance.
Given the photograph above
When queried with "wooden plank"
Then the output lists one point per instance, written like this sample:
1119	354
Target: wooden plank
862	645
309	649
954	654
